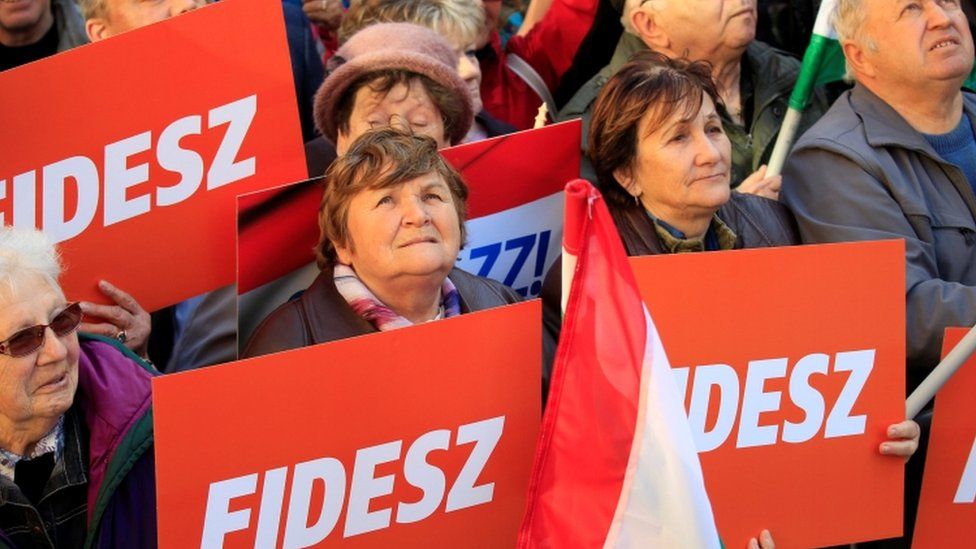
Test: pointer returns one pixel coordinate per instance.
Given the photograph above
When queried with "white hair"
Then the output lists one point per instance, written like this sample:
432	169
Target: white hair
848	21
848	18
25	252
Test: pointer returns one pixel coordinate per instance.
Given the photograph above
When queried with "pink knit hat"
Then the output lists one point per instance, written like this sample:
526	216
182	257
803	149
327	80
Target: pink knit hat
392	46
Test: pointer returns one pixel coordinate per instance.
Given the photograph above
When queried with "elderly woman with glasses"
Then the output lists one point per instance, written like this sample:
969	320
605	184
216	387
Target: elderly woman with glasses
76	457
392	224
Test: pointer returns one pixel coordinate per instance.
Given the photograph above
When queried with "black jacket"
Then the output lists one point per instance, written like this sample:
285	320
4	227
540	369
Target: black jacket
321	314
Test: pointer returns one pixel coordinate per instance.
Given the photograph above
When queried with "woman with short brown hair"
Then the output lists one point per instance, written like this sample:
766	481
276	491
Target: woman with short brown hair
392	224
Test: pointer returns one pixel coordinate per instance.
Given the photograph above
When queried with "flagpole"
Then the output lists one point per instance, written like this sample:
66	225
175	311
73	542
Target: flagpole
812	60
787	132
575	217
941	374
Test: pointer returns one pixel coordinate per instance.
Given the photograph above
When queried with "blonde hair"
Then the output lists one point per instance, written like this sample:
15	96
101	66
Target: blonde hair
91	9
463	19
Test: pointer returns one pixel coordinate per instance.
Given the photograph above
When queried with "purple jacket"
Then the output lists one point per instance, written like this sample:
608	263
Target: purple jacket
114	399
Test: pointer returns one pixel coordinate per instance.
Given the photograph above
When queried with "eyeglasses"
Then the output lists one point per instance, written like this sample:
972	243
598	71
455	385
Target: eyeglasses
28	340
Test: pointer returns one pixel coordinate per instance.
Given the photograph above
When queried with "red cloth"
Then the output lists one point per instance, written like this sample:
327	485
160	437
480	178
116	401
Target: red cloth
592	414
329	39
549	48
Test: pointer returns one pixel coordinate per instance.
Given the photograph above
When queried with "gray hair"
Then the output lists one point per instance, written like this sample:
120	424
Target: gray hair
848	19
91	9
449	18
27	251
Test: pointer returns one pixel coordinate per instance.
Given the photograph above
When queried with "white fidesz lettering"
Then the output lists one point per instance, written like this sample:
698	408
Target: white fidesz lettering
362	515
239	115
117	191
722	380
966	492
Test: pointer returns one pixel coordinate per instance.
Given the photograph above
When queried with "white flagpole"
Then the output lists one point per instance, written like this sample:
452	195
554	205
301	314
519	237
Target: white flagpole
941	374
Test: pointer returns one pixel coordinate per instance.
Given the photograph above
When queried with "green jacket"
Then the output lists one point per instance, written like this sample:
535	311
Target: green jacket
771	73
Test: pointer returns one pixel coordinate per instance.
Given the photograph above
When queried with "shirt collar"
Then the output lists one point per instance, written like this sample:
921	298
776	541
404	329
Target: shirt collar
719	236
53	441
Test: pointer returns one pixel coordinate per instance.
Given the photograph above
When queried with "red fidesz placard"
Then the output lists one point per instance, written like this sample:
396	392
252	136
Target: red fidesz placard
792	361
136	147
417	437
947	506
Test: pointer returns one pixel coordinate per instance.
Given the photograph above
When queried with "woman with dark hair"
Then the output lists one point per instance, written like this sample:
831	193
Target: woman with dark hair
663	162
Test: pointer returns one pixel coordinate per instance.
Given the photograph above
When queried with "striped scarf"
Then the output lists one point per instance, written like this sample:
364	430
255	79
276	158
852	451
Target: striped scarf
374	311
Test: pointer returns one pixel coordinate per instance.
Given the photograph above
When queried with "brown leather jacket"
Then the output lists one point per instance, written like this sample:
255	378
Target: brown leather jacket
757	222
321	314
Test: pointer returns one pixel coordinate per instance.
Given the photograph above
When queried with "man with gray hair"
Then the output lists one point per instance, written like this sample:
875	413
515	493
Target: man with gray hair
896	158
754	80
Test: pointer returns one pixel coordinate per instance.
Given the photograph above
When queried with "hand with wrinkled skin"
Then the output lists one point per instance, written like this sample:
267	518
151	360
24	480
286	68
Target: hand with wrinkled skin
902	439
765	541
759	184
326	13
126	315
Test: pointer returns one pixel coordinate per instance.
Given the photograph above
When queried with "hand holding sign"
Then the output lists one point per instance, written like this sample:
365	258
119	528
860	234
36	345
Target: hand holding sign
796	385
126	321
765	541
902	439
947	504
158	182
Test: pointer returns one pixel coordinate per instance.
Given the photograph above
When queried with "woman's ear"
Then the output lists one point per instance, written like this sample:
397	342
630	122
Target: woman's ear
344	252
624	177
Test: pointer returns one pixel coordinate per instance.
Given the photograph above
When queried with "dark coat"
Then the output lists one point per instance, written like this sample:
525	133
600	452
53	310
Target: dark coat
757	222
321	314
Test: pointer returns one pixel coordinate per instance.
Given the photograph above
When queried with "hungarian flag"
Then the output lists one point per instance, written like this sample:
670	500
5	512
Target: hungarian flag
616	465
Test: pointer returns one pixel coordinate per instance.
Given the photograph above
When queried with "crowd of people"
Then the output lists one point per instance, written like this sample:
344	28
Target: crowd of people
681	105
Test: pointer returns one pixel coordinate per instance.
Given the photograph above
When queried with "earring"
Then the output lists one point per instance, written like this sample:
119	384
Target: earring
636	200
